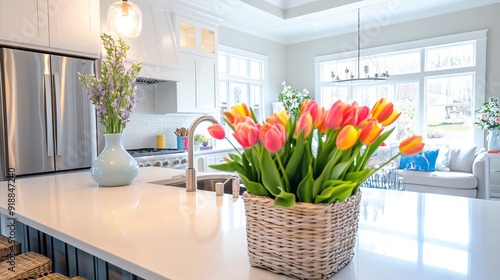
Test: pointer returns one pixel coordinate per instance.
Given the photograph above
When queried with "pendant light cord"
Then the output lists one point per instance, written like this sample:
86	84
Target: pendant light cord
359	46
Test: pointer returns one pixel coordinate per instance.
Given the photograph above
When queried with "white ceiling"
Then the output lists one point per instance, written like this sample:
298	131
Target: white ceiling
292	21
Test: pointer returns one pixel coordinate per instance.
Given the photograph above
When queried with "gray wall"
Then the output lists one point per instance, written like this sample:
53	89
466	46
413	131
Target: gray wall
277	63
300	56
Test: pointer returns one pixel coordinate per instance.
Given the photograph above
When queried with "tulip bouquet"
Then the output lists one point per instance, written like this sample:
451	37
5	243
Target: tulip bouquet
278	159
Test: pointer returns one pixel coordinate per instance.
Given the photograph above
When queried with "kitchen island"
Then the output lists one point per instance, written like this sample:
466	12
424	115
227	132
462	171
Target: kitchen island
161	232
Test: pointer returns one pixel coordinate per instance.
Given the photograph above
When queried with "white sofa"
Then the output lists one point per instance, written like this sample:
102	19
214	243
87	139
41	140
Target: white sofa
457	181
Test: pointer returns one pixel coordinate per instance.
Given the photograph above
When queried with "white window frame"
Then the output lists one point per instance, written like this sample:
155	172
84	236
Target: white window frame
480	38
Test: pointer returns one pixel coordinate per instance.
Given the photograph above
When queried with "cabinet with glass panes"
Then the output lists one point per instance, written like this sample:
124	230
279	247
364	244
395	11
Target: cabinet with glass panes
196	37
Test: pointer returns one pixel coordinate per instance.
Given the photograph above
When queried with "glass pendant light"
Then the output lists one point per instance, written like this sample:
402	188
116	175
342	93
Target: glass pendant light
125	19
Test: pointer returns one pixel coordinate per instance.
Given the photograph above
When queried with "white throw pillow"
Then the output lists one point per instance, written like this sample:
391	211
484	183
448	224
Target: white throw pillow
443	160
461	159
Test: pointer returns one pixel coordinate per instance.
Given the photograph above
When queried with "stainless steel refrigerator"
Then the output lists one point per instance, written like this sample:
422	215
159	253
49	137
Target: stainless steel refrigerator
47	122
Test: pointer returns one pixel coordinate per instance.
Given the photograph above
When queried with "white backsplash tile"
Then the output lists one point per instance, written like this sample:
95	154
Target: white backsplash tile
145	124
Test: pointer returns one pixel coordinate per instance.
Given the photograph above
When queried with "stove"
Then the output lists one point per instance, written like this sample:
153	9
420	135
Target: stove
143	152
172	158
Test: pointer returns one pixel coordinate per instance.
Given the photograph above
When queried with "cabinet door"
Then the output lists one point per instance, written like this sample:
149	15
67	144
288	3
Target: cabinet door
186	96
205	85
74	25
24	22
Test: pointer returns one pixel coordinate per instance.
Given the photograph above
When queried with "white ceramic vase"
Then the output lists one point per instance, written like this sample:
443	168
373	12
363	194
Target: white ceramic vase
494	140
114	166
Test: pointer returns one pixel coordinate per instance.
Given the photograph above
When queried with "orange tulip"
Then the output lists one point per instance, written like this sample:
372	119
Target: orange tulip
411	146
392	118
347	137
279	117
240	109
384	112
273	136
304	124
370	131
322	123
335	115
246	132
216	131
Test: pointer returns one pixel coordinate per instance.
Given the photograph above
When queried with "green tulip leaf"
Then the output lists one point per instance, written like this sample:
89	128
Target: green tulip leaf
304	190
335	193
271	178
254	188
228	167
357	176
339	170
284	199
293	164
330	183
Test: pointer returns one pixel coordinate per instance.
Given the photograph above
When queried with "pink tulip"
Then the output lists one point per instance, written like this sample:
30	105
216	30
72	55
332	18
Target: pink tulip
335	116
304	124
272	136
216	131
246	133
313	108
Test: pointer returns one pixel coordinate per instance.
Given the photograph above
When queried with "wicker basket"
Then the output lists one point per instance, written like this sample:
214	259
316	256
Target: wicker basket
307	241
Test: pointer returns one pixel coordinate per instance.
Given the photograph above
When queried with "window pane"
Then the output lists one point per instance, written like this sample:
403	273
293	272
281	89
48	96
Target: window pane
239	93
450	56
398	63
255	69
449	115
222	64
406	101
330	95
238	66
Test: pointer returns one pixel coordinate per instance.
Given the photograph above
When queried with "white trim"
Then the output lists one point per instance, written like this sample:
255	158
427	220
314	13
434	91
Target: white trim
448	39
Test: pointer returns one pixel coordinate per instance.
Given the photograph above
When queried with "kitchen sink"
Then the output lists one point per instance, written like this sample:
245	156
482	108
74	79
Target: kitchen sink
204	182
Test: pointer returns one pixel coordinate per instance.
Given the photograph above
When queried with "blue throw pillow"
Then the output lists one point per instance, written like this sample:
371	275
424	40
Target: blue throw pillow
425	161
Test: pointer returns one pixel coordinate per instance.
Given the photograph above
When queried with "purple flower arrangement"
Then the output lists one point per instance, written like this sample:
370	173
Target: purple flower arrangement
113	93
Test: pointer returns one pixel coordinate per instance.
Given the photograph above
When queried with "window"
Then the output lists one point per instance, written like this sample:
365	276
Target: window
436	83
241	80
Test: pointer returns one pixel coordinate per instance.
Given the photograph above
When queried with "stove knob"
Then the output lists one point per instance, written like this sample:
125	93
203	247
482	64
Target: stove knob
176	162
184	161
157	163
140	164
147	164
166	163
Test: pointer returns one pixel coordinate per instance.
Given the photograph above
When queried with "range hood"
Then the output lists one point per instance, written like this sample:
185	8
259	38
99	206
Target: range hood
156	47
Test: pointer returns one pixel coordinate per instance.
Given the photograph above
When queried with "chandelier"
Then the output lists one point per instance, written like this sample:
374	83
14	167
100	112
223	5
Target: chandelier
125	19
349	75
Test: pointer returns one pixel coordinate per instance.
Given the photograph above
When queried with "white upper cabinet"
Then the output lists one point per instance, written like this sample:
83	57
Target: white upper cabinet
55	25
196	37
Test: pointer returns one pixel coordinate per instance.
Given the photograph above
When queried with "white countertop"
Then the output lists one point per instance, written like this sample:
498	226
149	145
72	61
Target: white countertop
159	232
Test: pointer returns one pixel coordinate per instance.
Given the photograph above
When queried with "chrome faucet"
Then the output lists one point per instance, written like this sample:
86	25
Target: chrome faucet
190	171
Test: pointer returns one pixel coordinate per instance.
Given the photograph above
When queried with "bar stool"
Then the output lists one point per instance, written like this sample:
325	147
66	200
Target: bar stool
8	248
27	266
57	276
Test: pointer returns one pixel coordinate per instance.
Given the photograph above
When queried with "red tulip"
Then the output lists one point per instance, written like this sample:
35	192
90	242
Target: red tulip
273	136
411	146
370	131
347	137
216	131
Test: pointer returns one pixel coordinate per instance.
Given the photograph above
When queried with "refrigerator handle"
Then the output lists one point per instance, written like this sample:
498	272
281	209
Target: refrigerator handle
57	89
48	115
